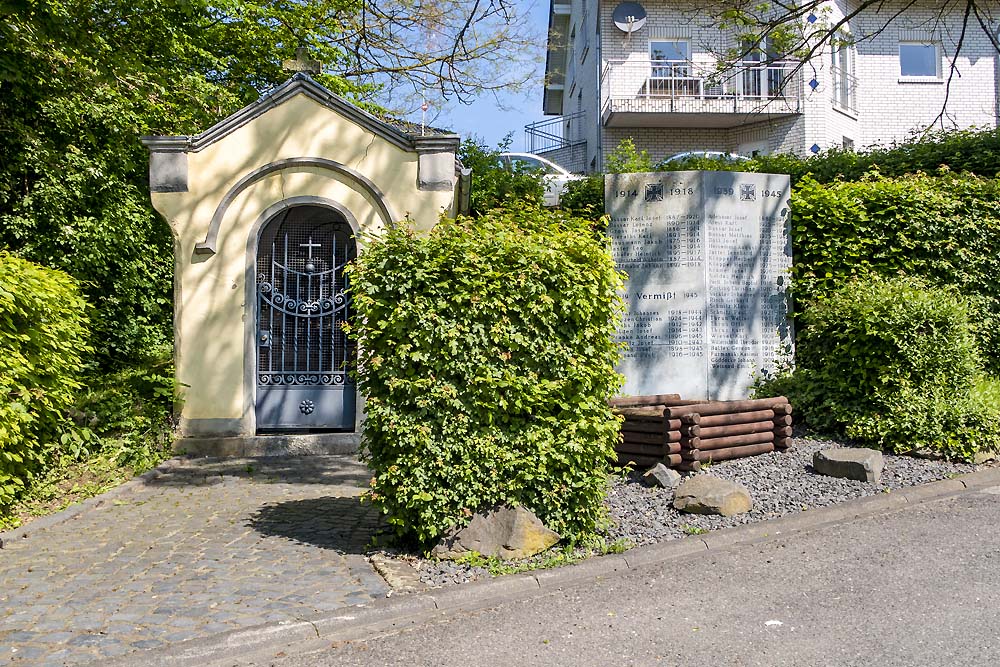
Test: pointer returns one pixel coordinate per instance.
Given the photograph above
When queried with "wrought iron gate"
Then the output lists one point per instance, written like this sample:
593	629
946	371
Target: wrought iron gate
303	354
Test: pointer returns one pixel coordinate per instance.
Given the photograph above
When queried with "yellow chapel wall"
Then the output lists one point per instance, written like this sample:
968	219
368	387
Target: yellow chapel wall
214	294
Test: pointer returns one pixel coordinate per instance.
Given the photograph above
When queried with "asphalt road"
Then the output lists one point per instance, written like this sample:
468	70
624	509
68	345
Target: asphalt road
920	586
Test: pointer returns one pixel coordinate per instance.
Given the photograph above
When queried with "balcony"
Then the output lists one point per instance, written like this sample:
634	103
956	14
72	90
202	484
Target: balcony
674	93
559	139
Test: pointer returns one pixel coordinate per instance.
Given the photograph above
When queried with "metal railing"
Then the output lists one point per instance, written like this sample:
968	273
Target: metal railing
701	86
845	90
555	133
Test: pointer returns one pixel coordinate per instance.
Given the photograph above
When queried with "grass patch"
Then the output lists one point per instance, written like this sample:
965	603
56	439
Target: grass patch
71	482
586	547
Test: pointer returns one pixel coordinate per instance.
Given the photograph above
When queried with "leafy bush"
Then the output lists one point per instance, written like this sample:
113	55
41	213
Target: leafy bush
945	229
487	355
131	410
625	159
893	363
584	197
43	341
973	151
700	163
493	184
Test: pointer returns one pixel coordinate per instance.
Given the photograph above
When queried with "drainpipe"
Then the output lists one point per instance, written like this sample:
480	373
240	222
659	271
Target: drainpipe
996	80
598	59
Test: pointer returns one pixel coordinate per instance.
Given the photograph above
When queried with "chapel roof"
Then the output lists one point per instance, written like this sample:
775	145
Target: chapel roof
406	135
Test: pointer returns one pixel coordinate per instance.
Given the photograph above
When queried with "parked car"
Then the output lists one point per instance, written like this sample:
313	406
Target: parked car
701	155
554	177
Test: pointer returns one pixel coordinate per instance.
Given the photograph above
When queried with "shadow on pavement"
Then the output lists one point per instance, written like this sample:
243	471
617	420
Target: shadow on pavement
330	522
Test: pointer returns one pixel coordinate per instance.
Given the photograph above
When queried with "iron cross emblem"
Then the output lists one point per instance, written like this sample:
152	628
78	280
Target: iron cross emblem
310	267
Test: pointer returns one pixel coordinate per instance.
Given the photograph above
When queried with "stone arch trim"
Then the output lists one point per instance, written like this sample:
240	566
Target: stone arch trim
249	418
208	246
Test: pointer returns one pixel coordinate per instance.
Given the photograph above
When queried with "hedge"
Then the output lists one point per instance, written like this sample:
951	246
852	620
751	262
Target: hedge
43	342
945	229
973	151
487	355
892	362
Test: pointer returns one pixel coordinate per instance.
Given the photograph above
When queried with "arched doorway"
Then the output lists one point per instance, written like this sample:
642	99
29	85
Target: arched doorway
303	357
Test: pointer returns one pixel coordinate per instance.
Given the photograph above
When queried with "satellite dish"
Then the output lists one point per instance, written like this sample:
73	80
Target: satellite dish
629	16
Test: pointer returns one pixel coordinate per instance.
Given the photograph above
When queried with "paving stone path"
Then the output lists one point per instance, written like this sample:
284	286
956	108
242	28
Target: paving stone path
207	547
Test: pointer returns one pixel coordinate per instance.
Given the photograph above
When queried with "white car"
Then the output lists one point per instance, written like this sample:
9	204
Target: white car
554	177
708	155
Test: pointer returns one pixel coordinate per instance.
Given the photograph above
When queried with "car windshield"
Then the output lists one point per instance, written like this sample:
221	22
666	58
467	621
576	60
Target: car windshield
523	163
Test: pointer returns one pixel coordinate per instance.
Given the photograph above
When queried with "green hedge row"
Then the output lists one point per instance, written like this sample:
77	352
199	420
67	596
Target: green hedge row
945	229
973	151
487	355
892	363
43	344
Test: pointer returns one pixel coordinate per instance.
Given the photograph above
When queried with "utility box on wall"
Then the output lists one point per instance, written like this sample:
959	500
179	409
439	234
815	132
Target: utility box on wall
267	208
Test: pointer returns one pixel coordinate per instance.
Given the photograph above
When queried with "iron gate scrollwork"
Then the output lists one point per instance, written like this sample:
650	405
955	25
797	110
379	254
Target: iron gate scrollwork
304	357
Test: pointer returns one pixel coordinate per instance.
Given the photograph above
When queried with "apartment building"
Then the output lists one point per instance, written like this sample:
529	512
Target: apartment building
650	70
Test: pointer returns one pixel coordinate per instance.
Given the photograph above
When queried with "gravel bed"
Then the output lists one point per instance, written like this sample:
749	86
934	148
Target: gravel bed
779	483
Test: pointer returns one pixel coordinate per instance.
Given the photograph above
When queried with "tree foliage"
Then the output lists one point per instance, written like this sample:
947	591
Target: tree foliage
43	344
81	81
487	356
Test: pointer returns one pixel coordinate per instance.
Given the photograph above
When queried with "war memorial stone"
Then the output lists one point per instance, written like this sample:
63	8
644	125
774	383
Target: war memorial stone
707	256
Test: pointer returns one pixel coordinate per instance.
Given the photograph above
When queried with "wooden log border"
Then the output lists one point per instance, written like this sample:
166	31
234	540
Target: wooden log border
682	434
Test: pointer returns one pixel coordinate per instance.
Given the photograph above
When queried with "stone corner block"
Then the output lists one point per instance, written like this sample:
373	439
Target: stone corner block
858	463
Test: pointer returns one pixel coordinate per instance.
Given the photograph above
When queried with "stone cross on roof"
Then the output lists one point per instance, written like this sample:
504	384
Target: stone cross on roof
302	63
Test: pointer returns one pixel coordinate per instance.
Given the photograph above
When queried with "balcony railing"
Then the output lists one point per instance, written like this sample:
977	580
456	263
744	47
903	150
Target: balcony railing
686	87
561	139
553	133
845	90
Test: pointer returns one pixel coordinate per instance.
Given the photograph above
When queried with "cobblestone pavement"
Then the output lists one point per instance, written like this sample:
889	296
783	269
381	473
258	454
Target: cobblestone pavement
207	547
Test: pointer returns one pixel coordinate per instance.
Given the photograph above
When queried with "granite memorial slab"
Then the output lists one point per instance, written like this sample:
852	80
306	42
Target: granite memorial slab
707	257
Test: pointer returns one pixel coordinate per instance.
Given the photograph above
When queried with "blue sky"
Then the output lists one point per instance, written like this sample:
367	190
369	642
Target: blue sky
485	118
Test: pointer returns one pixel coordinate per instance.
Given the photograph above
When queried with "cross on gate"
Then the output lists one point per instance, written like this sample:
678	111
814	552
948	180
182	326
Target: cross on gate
310	246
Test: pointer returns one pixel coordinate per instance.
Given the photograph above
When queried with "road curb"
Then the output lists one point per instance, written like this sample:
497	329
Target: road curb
45	522
392	614
980	478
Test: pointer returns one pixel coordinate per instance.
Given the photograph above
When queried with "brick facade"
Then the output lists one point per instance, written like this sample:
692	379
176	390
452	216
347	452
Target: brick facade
886	107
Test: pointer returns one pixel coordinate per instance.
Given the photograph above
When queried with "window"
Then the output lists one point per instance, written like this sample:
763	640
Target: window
670	68
843	73
570	60
763	74
848	144
670	58
919	59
